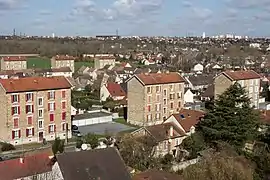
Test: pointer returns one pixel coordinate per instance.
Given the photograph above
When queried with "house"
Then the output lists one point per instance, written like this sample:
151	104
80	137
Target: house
208	94
112	90
148	62
250	80
188	96
34	108
198	68
62	71
199	82
92	164
13	63
60	61
92	117
30	166
152	97
170	134
154	174
126	65
102	61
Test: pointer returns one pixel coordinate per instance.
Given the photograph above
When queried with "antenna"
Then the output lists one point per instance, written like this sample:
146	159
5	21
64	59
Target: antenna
117	32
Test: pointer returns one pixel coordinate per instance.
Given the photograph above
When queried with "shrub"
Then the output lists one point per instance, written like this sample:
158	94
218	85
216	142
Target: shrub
7	147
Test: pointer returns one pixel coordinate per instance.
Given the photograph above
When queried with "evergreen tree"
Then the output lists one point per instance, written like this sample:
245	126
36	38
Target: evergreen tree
231	120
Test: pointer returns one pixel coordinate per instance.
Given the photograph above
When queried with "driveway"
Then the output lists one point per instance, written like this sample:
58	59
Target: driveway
111	128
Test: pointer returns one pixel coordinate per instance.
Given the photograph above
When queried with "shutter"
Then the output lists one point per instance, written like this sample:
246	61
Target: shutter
26	97
54	106
18	98
48	106
33	132
33	108
13	134
54	128
19	133
12	111
26	109
27	132
19	110
49	129
48	95
12	98
54	94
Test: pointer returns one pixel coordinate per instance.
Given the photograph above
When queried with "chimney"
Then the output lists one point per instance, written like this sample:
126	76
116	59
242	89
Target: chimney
21	160
171	131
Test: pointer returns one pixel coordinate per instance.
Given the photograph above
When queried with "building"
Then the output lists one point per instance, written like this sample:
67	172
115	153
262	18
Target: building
250	80
13	63
152	97
60	61
62	71
112	90
34	108
102	61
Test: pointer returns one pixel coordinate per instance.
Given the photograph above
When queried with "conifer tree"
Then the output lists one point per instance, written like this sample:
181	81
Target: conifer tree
231	120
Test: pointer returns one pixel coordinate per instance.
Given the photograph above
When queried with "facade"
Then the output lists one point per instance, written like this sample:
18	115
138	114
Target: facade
34	108
63	71
152	97
60	61
250	80
102	61
13	63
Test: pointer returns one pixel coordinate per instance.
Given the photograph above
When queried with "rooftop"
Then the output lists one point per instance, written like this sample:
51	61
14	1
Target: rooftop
159	78
115	89
156	175
14	58
64	57
242	75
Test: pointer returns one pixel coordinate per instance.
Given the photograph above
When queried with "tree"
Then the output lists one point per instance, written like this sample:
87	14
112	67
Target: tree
194	144
92	139
219	166
231	120
7	147
266	92
58	146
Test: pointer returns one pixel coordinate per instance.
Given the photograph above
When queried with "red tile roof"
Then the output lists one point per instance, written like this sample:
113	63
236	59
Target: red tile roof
115	89
160	78
64	57
14	58
31	165
191	118
34	84
242	75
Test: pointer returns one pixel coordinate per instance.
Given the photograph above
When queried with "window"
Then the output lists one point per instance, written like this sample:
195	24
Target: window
164	110
250	89
40	101
64	116
149	99
51	106
171	96
171	87
165	101
15	98
64	105
179	95
171	105
179	104
16	122
256	89
52	128
15	110
158	107
29	97
149	108
40	113
29	132
257	82
40	124
255	96
64	125
64	94
51	117
158	97
158	89
51	95
149	117
165	92
158	116
251	82
148	89
29	109
16	134
30	120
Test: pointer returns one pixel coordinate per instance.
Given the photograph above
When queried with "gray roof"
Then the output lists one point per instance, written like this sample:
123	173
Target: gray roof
200	80
91	115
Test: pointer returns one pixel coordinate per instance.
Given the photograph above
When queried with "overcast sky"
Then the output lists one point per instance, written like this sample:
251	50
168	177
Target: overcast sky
135	17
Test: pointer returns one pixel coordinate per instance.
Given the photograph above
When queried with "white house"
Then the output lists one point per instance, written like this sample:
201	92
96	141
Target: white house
188	96
148	62
112	90
217	67
198	68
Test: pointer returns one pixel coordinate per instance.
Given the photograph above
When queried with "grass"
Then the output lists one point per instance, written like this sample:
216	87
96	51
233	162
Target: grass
79	64
123	121
39	62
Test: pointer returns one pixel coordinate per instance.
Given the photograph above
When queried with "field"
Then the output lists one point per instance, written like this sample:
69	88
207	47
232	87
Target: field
38	62
79	64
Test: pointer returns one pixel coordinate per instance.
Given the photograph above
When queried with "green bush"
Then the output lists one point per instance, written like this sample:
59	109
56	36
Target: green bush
7	147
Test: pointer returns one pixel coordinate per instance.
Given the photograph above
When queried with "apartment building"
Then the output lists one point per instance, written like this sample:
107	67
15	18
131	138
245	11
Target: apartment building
250	80
33	108
152	97
102	61
60	61
13	63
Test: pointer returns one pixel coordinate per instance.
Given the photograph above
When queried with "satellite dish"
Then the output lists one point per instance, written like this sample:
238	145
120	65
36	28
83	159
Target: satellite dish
84	147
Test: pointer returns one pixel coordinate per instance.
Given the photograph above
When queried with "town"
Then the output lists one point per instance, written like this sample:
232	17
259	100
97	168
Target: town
134	108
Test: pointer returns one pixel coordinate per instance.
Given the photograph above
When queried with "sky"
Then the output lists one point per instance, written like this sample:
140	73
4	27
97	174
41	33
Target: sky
135	17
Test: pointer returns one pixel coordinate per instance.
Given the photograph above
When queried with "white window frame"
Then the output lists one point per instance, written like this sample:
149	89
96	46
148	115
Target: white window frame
52	125
30	134
17	95
62	126
149	117
257	82
31	97
51	106
17	106
31	105
16	131
250	90
42	113
256	89
42	100
171	87
52	95
159	89
41	120
251	82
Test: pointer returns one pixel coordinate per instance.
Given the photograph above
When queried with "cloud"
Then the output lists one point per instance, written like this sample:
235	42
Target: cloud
45	12
6	5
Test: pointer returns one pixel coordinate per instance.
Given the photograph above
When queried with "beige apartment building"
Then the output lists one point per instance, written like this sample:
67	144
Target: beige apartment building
248	79
153	97
34	108
102	61
13	63
60	61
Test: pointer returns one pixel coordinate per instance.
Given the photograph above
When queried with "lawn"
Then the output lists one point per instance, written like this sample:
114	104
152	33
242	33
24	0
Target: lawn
39	62
79	64
123	121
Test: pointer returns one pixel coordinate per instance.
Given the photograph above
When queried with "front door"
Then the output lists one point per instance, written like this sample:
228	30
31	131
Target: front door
40	136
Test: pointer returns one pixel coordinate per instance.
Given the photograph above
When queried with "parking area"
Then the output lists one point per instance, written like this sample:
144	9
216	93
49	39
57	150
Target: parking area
111	128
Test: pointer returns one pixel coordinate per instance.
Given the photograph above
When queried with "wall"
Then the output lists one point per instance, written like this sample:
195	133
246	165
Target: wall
104	93
188	97
91	121
221	83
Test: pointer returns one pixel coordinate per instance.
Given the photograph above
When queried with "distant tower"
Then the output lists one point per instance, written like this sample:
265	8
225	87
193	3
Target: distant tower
117	33
203	35
53	35
14	32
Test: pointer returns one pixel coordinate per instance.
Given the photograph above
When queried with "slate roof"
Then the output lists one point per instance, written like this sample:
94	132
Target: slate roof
201	80
97	164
